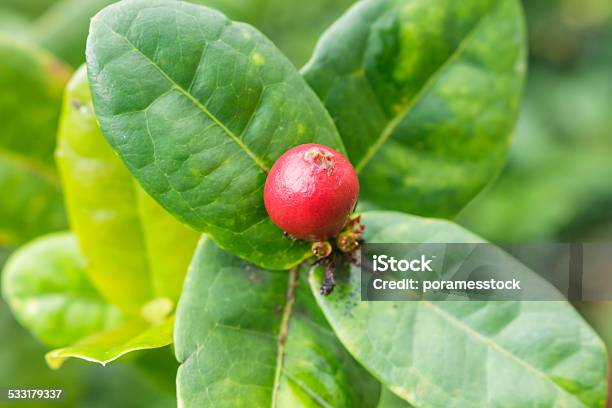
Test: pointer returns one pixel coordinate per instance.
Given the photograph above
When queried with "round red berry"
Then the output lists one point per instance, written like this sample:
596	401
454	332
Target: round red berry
311	192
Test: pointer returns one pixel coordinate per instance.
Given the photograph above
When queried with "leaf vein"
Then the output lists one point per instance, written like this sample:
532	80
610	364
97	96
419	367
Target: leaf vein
259	162
392	125
493	345
284	331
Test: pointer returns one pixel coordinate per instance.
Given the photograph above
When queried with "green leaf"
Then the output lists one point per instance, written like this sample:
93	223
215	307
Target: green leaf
251	337
425	95
32	201
199	108
390	400
465	353
31	83
49	292
107	346
45	284
136	251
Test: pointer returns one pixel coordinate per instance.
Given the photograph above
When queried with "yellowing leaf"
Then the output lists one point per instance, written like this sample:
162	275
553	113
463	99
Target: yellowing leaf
107	346
136	251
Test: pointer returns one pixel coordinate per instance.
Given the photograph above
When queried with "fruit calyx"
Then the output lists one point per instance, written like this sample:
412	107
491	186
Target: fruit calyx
321	249
347	247
348	240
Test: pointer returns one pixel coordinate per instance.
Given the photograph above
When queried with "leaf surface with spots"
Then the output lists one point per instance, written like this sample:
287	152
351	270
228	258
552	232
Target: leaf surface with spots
458	353
251	337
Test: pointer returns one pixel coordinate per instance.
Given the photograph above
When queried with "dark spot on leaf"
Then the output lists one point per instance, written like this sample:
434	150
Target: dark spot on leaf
76	104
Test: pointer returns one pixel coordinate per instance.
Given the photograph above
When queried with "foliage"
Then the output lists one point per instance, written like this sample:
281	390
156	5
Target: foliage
169	132
424	107
118	226
32	81
234	314
45	285
201	139
513	337
580	189
118	229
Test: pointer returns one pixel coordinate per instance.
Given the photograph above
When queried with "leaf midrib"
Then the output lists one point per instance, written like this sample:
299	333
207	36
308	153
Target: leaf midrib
259	162
493	345
463	327
392	125
284	332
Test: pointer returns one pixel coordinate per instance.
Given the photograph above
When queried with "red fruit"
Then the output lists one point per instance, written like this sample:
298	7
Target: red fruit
311	191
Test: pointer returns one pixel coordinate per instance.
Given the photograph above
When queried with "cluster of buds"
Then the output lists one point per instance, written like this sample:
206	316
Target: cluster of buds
321	249
346	243
348	240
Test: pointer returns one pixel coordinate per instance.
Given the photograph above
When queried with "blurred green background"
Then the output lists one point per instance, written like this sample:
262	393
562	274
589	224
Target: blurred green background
556	186
557	183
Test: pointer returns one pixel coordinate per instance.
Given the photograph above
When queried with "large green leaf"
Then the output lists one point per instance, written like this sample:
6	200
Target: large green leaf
424	94
47	289
477	354
248	337
107	346
199	108
136	251
31	83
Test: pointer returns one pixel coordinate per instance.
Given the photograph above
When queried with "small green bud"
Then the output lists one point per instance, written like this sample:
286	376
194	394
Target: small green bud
321	249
